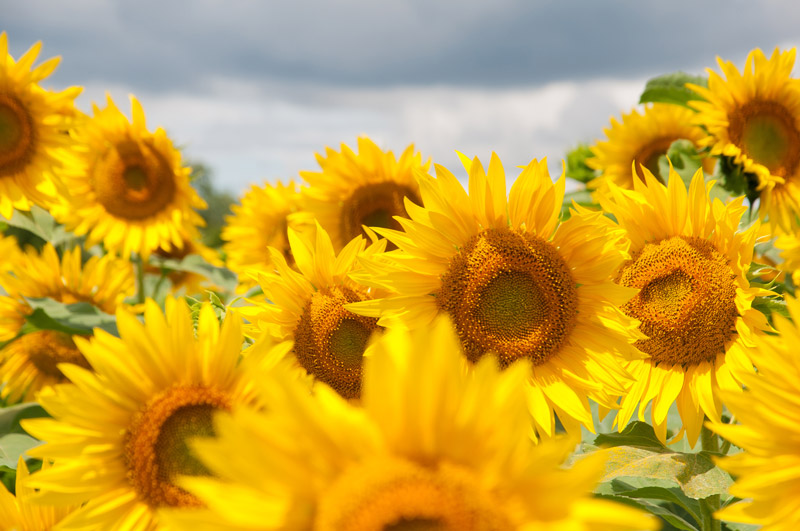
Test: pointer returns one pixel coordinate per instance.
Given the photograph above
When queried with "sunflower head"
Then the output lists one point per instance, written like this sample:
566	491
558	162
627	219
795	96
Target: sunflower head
128	189
33	123
753	117
364	189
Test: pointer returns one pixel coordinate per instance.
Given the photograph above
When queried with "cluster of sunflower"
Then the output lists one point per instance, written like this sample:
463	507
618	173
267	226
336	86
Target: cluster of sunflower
381	349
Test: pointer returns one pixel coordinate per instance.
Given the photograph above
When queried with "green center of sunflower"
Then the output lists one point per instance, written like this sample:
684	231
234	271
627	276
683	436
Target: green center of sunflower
375	205
766	131
17	138
416	524
509	293
135	178
174	457
330	341
667	294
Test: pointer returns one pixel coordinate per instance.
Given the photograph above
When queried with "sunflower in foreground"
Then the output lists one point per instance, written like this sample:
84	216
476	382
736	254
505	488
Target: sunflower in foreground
515	282
436	446
19	513
127	187
364	189
33	122
306	306
260	222
119	434
31	361
689	262
769	432
642	139
754	118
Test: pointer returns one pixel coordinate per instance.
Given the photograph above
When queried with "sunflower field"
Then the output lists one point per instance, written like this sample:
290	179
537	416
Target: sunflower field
387	344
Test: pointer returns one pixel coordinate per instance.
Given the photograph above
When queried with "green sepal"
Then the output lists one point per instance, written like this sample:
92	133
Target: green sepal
671	88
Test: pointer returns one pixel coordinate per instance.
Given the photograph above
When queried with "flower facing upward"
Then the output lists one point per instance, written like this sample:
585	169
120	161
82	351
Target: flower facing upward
515	282
127	189
119	434
769	432
306	306
436	446
364	189
641	139
30	362
33	122
689	263
754	118
19	513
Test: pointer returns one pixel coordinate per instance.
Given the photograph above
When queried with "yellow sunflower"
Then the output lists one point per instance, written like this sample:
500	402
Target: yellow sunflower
689	263
516	283
789	244
769	432
642	139
364	189
128	189
258	223
306	306
29	363
19	513
435	446
33	122
187	282
118	435
754	118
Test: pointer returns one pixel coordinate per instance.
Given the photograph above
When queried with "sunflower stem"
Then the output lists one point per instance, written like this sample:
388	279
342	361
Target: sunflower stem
140	296
710	505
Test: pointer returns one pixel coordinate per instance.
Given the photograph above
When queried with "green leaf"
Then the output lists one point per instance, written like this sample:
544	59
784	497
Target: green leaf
576	164
80	318
671	518
671	88
220	277
769	306
10	416
685	161
635	434
13	445
731	178
653	492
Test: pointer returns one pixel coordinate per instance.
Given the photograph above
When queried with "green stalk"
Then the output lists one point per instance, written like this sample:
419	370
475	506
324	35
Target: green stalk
708	506
139	279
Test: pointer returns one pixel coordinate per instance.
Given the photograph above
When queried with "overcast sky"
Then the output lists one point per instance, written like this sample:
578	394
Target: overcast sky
254	88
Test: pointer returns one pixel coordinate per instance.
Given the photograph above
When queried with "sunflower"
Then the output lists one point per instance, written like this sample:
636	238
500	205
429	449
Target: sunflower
516	283
29	362
118	435
364	189
789	244
188	282
19	513
306	306
768	432
643	139
258	223
435	446
128	189
32	126
690	264
754	118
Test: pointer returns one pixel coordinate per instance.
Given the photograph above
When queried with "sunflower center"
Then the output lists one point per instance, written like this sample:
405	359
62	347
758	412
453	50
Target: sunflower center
510	293
45	349
648	156
17	135
686	301
157	448
375	205
398	495
133	180
330	341
767	133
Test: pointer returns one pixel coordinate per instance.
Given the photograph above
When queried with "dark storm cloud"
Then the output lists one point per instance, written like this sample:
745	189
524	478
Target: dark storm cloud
183	45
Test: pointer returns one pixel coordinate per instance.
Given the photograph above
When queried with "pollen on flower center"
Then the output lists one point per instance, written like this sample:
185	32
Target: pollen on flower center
330	341
375	205
133	180
156	451
686	301
510	293
17	135
767	133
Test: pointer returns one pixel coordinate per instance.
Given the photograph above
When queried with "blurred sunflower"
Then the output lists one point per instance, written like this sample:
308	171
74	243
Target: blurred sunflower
642	139
186	281
33	125
769	432
516	283
364	189
689	262
754	118
260	222
434	446
789	244
19	513
29	363
128	189
118	435
306	306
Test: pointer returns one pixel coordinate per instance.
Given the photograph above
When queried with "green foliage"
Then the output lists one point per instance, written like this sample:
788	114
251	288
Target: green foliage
685	161
80	318
220	277
730	177
35	228
671	88
576	164
14	441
